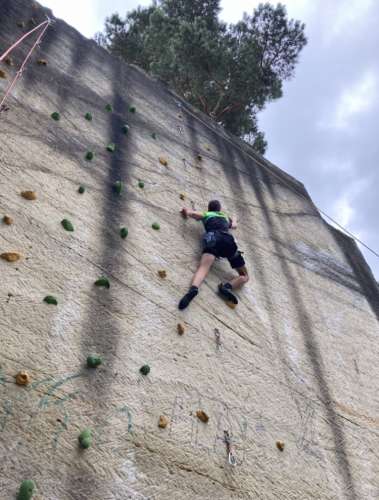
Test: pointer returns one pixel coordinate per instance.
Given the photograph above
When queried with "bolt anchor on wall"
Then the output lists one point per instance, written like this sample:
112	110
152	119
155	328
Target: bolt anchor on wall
232	459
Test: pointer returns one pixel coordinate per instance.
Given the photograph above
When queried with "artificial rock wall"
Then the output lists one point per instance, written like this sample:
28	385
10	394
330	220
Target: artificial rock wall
296	361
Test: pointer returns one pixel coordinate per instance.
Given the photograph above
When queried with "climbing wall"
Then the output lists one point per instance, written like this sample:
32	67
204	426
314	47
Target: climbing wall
275	399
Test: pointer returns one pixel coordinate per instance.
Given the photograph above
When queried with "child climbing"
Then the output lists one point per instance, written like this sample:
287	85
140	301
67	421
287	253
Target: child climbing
217	242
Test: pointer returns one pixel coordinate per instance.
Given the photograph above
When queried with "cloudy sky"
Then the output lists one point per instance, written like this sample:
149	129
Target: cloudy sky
324	130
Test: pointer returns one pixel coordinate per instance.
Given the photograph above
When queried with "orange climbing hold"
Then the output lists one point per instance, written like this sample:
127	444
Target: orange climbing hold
29	195
180	328
163	422
7	220
182	196
162	273
163	161
11	256
2	74
280	445
201	415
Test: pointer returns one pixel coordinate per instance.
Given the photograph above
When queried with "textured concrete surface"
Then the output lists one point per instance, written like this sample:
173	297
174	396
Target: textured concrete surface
298	357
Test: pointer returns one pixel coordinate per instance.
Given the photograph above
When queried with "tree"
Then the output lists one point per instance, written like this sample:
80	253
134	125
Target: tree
229	72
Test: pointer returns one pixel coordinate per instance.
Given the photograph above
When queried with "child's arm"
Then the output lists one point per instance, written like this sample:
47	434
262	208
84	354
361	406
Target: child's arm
233	223
193	214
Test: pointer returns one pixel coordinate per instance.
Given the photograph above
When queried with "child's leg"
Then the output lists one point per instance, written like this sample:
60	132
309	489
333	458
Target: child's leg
205	264
241	279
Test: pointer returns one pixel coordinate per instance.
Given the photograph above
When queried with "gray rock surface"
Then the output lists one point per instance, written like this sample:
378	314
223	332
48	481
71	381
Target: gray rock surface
298	358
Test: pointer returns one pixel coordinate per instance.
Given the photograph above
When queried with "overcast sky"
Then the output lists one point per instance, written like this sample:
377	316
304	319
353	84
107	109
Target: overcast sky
324	129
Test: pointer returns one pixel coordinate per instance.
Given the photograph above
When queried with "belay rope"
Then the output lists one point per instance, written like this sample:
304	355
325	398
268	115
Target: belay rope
42	29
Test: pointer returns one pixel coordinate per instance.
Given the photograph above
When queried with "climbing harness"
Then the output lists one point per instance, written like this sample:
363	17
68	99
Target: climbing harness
43	27
230	449
218	339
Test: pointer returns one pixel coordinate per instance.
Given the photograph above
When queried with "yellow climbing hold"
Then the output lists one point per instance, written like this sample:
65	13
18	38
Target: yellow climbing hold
162	422
162	273
163	161
23	378
232	305
182	196
7	220
180	328
2	74
11	256
280	445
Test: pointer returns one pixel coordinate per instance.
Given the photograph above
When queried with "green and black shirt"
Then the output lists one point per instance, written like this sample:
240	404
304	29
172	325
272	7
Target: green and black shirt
216	221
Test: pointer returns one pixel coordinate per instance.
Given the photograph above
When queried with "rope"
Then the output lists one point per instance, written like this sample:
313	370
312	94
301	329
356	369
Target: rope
269	170
9	89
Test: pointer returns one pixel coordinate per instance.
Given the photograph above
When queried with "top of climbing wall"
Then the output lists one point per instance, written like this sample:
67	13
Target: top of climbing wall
107	390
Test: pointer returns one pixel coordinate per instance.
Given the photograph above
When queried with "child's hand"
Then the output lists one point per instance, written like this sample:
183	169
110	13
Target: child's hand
184	212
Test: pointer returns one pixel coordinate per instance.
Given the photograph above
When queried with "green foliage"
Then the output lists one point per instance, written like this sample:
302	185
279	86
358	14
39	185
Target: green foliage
229	72
50	299
26	490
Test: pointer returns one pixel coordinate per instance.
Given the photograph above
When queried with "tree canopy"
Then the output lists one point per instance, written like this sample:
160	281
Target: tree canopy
228	71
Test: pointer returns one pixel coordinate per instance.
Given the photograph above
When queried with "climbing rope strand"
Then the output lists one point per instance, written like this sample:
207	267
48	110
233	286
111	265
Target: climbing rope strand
283	181
45	25
8	51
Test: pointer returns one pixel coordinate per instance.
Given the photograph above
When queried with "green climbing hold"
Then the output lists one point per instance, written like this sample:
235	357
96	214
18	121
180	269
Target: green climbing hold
109	108
125	129
50	299
81	189
85	438
154	135
26	490
56	116
111	147
90	155
132	109
103	281
94	361
155	226
123	232
141	184
118	186
88	117
67	225
145	369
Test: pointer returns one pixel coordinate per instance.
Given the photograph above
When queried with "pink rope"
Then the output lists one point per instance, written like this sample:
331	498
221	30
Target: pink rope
46	24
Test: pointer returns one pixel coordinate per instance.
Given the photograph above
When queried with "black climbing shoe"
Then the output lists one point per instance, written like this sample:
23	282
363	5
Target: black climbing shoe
191	294
225	291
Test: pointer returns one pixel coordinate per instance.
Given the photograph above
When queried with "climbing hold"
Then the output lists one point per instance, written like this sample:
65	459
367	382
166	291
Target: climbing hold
132	109
154	135
280	445
163	161
81	189
109	108
180	328
67	225
118	186
162	422
180	116
155	226
22	378
182	196
162	273
85	438
90	155
21	24
94	361
232	305
2	74
29	195
26	490
55	116
88	117
201	415
199	157
123	232
11	256
103	282
42	62
7	220
141	184
145	369
8	61
125	129
50	299
111	147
